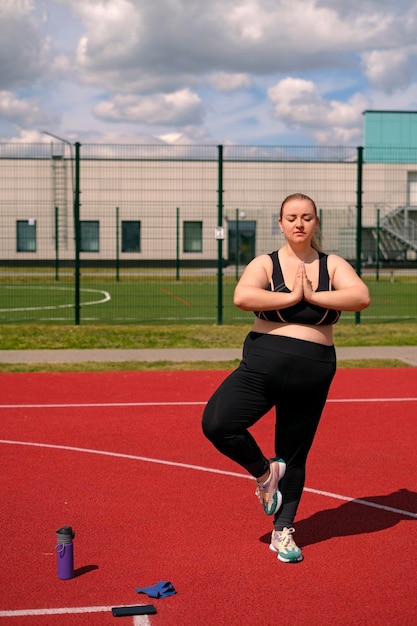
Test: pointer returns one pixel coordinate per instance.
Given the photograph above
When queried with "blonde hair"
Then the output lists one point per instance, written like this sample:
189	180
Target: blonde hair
301	196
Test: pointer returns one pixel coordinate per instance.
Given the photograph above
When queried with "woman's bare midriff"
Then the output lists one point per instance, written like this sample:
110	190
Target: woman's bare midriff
316	334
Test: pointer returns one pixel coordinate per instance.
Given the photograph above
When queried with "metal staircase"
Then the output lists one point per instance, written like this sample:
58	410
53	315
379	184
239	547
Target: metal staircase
397	234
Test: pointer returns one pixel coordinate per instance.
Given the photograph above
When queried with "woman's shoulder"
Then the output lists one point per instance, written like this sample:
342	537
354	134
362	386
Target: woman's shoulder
258	271
339	265
335	260
260	262
265	258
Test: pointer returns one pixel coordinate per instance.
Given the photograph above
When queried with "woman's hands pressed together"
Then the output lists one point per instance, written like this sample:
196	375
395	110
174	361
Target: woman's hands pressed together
303	286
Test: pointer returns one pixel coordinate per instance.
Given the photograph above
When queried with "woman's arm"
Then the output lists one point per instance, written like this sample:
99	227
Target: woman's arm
349	291
251	291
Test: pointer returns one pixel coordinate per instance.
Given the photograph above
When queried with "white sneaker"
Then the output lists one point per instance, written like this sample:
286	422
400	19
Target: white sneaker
268	492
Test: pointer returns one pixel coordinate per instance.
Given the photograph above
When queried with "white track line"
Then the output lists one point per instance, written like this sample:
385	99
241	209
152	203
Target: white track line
97	404
200	468
78	405
138	620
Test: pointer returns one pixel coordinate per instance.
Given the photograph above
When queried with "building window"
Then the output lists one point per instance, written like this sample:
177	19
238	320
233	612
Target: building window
193	237
412	188
26	236
90	236
130	236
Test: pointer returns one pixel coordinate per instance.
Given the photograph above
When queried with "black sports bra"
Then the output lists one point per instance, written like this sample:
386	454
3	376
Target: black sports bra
302	312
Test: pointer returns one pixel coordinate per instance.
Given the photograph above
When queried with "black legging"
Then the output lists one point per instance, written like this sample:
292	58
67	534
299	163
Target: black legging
294	376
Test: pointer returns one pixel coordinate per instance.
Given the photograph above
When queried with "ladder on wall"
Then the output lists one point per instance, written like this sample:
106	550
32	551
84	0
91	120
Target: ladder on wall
60	196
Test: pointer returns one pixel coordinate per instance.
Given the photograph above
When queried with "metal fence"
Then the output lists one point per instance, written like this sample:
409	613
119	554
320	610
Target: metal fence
160	234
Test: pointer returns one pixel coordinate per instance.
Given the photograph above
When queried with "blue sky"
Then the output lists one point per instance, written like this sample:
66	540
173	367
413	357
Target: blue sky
251	72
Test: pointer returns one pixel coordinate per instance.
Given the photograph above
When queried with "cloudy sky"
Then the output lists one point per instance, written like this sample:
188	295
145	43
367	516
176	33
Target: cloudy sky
252	72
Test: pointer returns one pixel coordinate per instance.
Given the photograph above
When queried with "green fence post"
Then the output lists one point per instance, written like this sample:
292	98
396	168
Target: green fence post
56	244
77	233
117	246
237	245
359	221
177	257
378	243
219	237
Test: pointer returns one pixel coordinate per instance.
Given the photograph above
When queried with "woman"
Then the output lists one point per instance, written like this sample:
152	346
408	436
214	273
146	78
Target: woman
288	362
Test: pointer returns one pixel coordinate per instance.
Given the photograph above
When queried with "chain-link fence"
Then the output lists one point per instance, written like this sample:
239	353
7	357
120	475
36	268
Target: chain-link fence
160	234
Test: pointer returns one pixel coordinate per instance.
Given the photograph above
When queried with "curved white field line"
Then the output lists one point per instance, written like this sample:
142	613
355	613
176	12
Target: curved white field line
200	468
106	297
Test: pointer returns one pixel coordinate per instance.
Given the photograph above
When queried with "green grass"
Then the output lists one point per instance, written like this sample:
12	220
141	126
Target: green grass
39	336
151	299
140	366
150	309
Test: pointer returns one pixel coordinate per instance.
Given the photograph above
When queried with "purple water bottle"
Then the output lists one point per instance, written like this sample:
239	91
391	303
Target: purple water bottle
65	552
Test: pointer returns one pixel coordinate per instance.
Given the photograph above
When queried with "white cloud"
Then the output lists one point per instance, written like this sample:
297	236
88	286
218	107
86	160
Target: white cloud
389	69
22	112
30	136
249	19
298	104
189	135
24	49
181	107
140	46
191	70
400	99
223	81
113	30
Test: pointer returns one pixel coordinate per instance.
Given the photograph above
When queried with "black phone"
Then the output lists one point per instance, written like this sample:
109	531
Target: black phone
124	611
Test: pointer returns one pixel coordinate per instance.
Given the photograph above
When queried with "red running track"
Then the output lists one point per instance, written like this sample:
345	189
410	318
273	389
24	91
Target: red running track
121	458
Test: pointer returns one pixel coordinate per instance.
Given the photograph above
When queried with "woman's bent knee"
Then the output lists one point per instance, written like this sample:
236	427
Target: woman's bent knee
210	426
